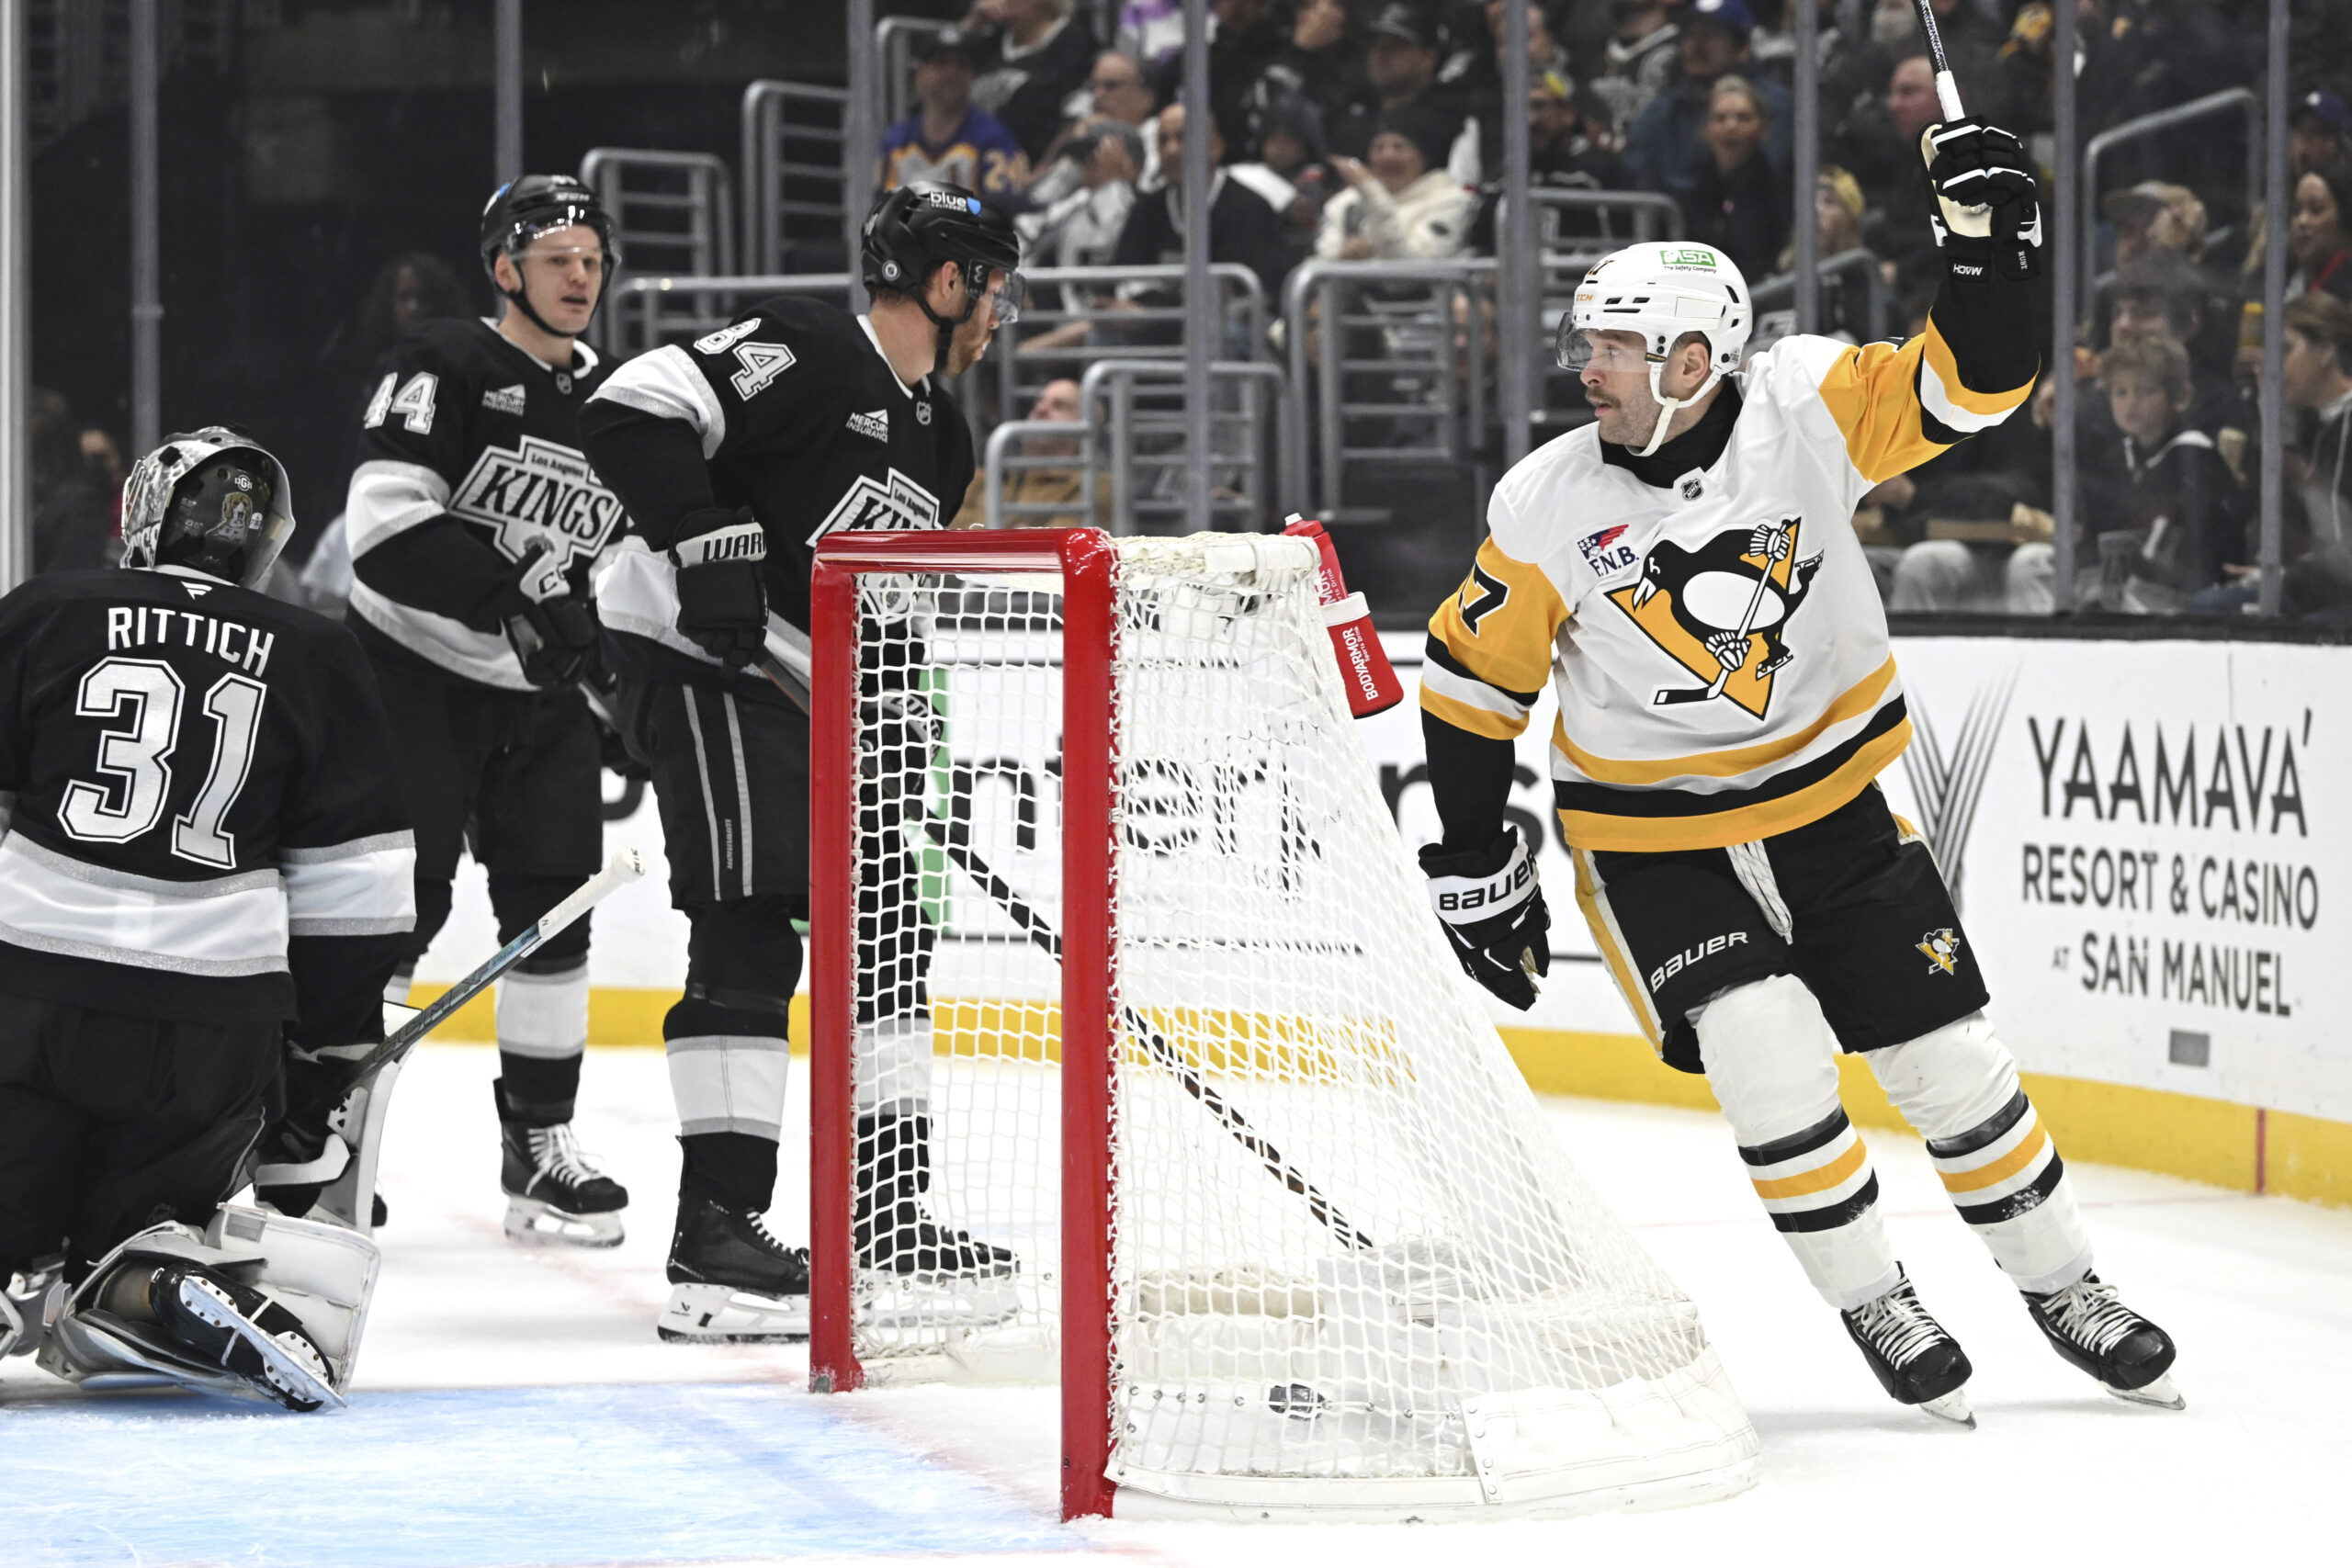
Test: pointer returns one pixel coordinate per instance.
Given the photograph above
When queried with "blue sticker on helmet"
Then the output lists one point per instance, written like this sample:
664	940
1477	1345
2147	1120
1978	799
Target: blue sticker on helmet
974	203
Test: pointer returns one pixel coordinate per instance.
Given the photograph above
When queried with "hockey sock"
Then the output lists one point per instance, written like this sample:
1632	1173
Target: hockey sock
1771	1060
734	1170
1959	1086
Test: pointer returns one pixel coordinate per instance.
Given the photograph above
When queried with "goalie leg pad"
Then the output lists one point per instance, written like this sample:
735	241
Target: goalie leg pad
1772	1062
1959	1086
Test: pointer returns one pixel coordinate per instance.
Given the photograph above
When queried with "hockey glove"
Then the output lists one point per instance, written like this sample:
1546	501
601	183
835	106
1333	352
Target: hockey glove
1494	914
551	629
1989	211
722	600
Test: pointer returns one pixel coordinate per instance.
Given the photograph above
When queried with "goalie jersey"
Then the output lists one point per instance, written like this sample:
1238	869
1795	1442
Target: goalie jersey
469	456
1715	636
201	819
800	417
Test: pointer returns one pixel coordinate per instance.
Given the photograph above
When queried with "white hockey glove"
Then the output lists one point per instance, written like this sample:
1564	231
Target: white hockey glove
1988	209
1493	910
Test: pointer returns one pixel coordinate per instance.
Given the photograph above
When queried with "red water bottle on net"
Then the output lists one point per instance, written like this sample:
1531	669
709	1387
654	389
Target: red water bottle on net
1364	670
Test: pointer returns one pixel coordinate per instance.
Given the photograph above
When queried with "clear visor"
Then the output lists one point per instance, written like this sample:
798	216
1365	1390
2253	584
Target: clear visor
1010	296
1608	351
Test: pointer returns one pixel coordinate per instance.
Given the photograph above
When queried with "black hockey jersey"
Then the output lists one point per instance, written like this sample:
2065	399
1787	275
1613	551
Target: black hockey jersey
793	412
469	454
202	817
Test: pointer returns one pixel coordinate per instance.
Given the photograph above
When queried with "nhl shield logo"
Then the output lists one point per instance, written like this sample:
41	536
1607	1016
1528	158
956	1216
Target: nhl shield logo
1942	947
1721	610
1693	487
922	411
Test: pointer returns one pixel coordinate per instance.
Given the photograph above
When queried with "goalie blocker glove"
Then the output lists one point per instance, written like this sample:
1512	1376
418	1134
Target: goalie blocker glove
1989	211
1493	910
551	629
722	605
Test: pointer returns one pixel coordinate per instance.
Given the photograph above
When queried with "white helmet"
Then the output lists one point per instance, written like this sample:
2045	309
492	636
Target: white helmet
1662	291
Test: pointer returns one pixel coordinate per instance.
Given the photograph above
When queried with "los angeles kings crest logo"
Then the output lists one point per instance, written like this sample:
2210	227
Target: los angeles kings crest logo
539	492
894	501
1721	610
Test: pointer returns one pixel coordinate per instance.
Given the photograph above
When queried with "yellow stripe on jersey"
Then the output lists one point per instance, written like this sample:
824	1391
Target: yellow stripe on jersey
1862	697
1742	824
1877	391
1497	632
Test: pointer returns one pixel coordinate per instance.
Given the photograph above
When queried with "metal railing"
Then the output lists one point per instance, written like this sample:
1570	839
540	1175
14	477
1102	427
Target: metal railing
2234	100
796	184
1125	331
1143	434
646	312
1001	462
894	50
672	212
1780	290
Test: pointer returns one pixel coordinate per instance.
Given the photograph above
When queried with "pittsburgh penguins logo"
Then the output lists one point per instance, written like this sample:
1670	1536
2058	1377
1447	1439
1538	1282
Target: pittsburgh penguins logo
1721	610
1942	947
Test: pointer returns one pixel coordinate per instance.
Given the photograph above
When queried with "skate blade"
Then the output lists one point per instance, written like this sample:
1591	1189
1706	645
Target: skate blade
1952	1407
937	1302
289	1373
535	1223
716	1314
2160	1394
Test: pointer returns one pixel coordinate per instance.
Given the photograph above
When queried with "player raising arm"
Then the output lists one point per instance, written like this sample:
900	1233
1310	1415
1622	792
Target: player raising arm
734	455
1727	697
203	845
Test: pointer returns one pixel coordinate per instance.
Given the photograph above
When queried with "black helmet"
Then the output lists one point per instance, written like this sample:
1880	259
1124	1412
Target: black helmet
520	210
914	228
211	501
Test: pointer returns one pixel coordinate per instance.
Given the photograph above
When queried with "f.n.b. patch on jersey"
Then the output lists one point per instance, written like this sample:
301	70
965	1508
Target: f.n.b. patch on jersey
1721	610
539	491
1604	552
897	501
874	425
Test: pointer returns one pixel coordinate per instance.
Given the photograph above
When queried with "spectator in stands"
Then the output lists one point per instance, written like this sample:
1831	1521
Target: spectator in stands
1404	204
1972	39
1400	72
2154	217
2316	232
1883	154
1244	40
1666	148
1117	89
1838	229
1567	149
1031	56
1057	403
1290	143
2318	376
2162	297
73	524
1096	174
1738	205
1151	30
2167	511
1638	63
1323	61
2320	131
1544	57
950	138
1242	227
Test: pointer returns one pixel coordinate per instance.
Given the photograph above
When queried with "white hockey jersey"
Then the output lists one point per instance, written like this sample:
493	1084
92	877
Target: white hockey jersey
1718	647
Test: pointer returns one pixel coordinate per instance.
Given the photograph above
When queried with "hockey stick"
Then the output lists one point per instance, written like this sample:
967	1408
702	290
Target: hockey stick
626	866
1947	89
1160	1049
1714	688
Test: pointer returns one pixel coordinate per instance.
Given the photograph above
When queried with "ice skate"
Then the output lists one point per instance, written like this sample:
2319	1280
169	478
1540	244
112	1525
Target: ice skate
213	1318
731	1279
2089	1326
555	1193
891	1227
1917	1361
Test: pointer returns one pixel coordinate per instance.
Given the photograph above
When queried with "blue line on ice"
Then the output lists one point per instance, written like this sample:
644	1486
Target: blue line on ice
483	1478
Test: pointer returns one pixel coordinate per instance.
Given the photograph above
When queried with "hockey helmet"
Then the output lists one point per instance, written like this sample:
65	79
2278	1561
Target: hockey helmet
210	500
1661	292
914	228
521	211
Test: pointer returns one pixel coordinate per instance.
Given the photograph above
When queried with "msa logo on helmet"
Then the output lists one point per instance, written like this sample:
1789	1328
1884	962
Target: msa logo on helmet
1695	256
1690	956
870	503
538	492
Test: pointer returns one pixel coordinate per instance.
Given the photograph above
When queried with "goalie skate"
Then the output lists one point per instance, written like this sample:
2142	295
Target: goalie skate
213	1318
2088	1325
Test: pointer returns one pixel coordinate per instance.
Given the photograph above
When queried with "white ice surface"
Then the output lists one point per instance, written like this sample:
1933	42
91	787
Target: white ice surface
514	1406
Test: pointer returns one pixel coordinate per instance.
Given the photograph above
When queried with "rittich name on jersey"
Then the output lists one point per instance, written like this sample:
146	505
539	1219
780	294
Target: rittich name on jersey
139	626
539	491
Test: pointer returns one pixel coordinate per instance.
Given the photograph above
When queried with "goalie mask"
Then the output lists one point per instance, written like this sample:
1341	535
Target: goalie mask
210	500
1661	292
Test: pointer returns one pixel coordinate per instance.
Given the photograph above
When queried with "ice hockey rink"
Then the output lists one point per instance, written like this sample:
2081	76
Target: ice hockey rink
512	1406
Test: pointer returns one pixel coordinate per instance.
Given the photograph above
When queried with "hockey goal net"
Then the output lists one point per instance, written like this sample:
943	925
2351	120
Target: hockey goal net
1139	1062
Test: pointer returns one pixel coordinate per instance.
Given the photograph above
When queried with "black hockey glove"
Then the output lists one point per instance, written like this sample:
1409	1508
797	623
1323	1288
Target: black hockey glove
307	1146
551	629
722	600
1987	208
1494	914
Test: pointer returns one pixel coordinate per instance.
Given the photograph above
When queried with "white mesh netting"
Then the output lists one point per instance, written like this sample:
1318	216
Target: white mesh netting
1348	1248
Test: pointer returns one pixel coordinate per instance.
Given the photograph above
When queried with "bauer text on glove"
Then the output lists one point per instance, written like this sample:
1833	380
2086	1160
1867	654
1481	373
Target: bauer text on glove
1493	910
